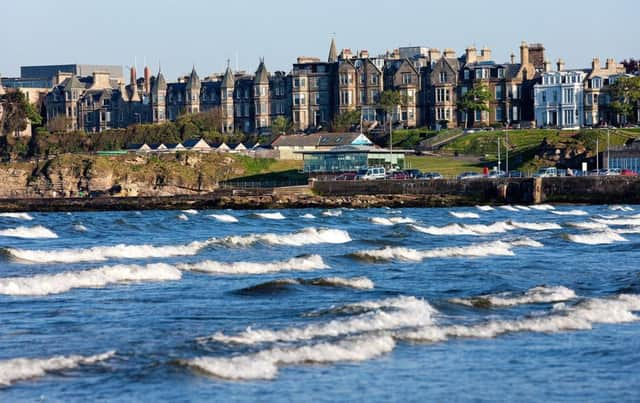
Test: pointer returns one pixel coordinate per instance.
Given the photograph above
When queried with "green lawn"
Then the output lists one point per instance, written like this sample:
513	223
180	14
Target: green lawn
448	166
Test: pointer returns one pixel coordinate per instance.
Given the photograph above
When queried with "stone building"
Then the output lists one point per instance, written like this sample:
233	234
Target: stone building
595	104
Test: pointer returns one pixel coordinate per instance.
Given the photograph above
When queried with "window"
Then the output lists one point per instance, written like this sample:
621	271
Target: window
406	78
595	99
517	93
363	79
478	117
443	77
346	98
499	115
500	73
299	99
375	95
499	92
318	99
374	79
363	96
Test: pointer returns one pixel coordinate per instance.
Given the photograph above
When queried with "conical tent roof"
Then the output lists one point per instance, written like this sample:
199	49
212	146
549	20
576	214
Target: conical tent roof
194	80
228	81
333	52
262	75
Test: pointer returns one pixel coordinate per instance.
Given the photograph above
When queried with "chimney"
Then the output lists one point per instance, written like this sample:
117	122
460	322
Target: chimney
524	53
560	65
471	54
595	64
434	54
147	79
100	80
485	54
449	53
132	76
547	66
513	58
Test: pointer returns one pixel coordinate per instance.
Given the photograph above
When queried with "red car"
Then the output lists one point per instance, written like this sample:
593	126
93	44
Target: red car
628	172
348	176
398	176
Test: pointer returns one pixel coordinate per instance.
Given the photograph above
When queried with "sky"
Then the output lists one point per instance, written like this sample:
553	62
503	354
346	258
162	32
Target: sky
203	33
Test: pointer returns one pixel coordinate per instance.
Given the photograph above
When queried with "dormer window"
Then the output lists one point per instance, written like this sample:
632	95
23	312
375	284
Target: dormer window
500	73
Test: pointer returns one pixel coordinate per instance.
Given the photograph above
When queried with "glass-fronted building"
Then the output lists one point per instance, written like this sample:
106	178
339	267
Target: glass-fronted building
351	159
625	158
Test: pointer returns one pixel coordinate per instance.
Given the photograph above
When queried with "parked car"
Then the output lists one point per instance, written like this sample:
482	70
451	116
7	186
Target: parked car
413	173
347	176
470	175
546	172
431	176
398	175
371	174
497	174
628	172
515	174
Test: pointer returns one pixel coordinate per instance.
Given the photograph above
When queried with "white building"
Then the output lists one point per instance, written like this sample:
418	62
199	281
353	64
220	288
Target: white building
559	98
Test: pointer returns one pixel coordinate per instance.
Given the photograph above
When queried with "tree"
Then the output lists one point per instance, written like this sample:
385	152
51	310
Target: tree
345	121
624	94
631	66
476	99
389	101
17	112
281	125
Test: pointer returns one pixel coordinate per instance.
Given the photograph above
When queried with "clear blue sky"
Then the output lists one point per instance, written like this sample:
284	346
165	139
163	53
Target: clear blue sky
207	33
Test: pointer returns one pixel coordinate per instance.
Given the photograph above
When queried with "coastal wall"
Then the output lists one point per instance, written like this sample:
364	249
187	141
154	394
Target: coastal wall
588	190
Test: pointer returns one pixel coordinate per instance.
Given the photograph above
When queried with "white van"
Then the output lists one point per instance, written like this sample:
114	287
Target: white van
546	172
372	174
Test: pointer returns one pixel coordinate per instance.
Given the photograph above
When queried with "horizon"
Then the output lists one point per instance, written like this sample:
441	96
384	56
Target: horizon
206	40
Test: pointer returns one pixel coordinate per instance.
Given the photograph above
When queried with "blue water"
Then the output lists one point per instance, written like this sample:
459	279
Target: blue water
587	350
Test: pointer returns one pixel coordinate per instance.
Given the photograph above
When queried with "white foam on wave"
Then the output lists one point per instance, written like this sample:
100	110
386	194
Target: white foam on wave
523	208
620	208
536	295
264	364
534	226
485	208
308	216
391	221
588	225
570	213
271	216
618	221
581	316
542	207
102	253
496	248
47	284
305	263
360	283
458	214
17	216
18	369
307	236
596	238
392	313
332	213
509	208
463	229
183	217
226	218
37	232
190	211
80	228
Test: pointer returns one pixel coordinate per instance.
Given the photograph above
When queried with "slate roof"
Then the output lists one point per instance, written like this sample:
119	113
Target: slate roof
228	81
316	139
262	75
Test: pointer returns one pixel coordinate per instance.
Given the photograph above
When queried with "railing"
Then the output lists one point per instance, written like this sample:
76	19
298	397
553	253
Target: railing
262	184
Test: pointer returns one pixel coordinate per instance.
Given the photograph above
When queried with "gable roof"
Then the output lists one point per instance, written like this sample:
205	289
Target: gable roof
320	140
262	75
196	143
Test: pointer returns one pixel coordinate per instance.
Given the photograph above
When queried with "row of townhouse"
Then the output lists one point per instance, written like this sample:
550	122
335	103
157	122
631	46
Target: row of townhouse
524	92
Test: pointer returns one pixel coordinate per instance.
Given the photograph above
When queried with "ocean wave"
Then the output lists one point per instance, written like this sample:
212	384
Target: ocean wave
596	238
47	284
190	211
304	263
620	208
264	365
37	232
226	218
80	228
485	208
457	214
271	216
533	226
332	213
308	216
496	248
102	253
307	236
618	221
183	217
581	316
523	208
17	216
509	208
463	229
570	213
393	313
359	283
588	225
18	369
536	295
391	221
542	207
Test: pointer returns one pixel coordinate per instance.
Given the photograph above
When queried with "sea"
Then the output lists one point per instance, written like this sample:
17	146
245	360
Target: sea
486	303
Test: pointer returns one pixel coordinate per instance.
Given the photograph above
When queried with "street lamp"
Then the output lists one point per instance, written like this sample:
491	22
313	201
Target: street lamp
506	146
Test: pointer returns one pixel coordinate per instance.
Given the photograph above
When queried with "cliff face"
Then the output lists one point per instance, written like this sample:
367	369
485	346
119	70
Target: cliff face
129	175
